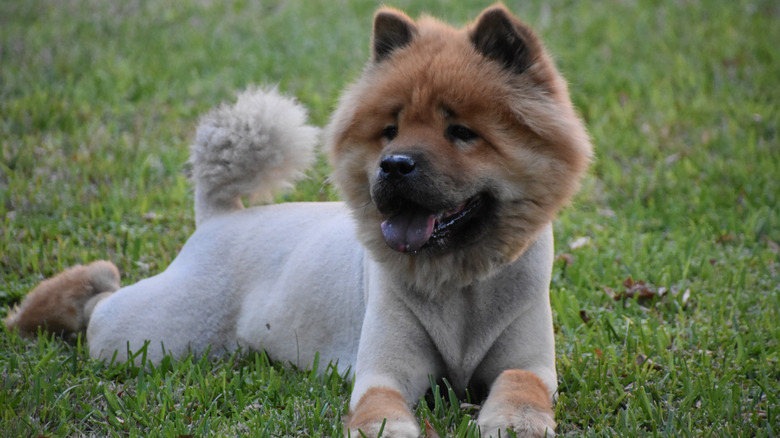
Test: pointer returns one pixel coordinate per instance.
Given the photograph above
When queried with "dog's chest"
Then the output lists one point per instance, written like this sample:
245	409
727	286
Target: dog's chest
465	325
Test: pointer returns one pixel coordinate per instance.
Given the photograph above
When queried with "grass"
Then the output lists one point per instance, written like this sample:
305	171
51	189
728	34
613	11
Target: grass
97	106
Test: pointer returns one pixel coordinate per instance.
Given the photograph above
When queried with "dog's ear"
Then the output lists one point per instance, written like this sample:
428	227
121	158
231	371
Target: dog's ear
498	35
392	30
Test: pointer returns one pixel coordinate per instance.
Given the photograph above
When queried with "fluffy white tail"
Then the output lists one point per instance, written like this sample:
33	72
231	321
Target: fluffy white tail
252	148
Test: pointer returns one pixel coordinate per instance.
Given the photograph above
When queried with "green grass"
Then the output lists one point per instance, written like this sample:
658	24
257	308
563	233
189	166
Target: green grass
97	107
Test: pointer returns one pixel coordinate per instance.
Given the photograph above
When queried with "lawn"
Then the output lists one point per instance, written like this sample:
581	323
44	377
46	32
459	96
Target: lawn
666	287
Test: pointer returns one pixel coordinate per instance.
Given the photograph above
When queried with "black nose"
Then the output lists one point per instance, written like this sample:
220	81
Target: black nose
396	166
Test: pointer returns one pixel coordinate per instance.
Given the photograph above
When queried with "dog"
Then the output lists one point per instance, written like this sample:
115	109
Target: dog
454	150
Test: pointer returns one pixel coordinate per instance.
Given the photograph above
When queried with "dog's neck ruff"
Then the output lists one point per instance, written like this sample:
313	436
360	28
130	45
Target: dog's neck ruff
434	274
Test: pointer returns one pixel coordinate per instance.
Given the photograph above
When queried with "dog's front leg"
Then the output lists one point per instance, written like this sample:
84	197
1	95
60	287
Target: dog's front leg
395	359
521	366
518	401
381	409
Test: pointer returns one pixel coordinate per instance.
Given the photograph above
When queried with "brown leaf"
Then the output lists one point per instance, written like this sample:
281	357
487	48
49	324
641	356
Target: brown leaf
567	258
584	316
725	238
639	289
429	431
643	360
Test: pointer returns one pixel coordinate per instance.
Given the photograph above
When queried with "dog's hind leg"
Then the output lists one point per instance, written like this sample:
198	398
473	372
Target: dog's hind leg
64	303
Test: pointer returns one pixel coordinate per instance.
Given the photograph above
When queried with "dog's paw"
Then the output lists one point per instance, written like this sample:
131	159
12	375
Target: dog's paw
62	304
518	401
526	422
381	412
385	429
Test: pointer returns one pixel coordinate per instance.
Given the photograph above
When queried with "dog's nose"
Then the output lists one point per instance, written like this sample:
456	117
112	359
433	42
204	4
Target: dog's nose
396	166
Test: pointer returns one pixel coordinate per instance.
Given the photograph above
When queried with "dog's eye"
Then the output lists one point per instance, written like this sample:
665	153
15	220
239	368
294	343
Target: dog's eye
390	132
461	133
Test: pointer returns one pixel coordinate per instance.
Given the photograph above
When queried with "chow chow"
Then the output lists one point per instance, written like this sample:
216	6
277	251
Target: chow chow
453	151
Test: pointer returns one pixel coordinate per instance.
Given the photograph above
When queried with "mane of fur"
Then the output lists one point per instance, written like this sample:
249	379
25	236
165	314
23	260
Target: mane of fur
543	147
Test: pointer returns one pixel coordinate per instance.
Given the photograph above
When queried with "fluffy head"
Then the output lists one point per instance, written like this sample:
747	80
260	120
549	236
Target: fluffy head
455	147
251	148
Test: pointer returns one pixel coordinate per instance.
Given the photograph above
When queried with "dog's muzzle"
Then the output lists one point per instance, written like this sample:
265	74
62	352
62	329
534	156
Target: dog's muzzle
417	215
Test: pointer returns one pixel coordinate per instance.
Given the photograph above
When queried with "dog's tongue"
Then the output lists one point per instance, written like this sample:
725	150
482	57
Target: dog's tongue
408	231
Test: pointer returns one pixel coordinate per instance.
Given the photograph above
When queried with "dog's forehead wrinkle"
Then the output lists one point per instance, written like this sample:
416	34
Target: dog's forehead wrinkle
438	67
447	112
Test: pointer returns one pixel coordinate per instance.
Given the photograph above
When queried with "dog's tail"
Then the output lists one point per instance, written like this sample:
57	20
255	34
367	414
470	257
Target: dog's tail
252	148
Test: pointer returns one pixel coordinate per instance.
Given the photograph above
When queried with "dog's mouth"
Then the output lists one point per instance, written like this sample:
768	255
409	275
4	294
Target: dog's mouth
414	228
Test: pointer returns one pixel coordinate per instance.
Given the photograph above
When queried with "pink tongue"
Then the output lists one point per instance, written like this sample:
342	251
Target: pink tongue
408	231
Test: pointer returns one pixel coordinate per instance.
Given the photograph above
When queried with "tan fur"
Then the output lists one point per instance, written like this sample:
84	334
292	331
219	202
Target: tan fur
60	304
515	388
518	400
376	406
